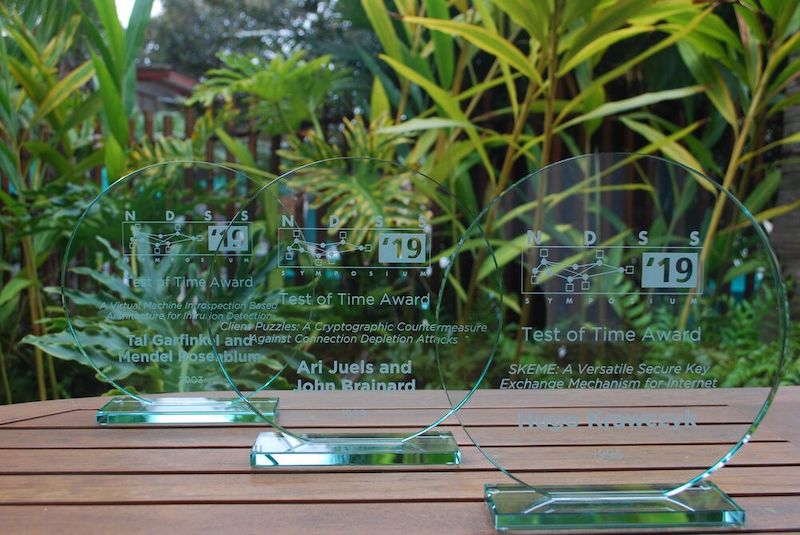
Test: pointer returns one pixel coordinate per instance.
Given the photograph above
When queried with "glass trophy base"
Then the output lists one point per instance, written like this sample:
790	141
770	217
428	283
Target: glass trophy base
185	411
520	507
277	449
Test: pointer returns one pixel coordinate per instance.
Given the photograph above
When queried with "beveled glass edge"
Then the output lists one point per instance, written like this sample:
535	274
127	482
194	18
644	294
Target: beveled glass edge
193	410
274	450
683	510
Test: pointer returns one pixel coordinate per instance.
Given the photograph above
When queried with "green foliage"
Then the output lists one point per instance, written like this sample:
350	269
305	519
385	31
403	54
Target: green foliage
358	192
279	96
744	356
113	57
102	338
453	77
48	148
547	70
475	94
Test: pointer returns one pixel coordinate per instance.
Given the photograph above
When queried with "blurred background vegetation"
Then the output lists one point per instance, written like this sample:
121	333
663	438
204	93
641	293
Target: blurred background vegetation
474	93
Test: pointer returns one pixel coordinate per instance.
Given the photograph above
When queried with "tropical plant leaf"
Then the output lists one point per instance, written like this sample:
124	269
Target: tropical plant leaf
113	108
49	154
711	77
639	101
382	24
236	148
431	123
601	45
115	37
140	16
12	289
762	193
442	43
788	140
602	23
379	106
114	157
487	40
532	16
668	144
65	88
448	104
84	112
625	67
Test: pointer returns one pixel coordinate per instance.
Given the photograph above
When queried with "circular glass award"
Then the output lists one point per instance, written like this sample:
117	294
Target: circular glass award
337	305
133	288
644	327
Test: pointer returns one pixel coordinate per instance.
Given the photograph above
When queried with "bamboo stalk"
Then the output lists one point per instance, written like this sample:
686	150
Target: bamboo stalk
4	377
30	270
727	182
51	375
51	367
509	159
547	144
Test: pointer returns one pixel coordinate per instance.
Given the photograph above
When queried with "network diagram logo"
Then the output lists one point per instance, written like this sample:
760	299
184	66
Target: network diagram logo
353	248
185	238
599	269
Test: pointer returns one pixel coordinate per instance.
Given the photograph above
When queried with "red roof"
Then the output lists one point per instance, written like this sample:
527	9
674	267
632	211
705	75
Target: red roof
168	77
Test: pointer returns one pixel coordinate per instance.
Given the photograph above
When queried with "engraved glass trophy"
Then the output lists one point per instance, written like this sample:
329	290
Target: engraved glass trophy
644	332
347	265
133	288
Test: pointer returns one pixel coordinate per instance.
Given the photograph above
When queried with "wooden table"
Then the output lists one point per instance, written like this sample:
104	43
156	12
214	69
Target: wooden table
61	473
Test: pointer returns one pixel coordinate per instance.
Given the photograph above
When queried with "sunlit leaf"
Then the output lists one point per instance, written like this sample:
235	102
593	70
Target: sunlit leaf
447	103
532	16
236	148
65	88
487	40
432	123
382	24
601	24
442	43
113	108
379	101
637	102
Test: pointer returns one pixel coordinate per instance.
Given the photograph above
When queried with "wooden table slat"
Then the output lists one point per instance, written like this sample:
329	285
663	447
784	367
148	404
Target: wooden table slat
310	487
764	514
773	514
231	460
60	471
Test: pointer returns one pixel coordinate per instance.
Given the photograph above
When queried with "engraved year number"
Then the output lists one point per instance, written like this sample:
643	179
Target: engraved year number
193	379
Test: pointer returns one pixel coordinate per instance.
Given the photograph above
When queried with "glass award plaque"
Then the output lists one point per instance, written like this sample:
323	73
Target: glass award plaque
133	289
644	332
347	265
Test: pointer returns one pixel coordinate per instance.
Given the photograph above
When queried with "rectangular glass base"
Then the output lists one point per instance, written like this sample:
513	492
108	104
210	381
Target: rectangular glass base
185	411
277	449
610	506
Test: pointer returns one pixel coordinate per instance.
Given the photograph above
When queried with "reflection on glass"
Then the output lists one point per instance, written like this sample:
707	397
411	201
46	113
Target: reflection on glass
633	336
347	263
134	290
